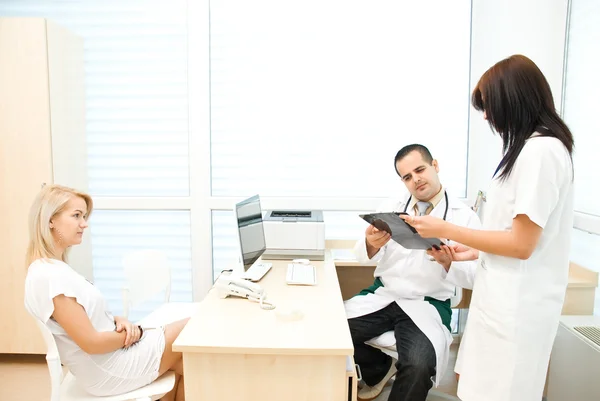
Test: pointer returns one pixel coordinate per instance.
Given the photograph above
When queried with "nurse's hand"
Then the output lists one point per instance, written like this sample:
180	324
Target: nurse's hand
376	238
427	226
461	253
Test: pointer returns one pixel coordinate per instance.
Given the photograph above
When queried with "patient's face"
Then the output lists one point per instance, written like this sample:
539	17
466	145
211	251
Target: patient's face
67	227
420	177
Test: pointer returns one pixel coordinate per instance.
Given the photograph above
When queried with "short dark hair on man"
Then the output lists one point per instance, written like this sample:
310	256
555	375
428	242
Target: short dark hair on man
411	148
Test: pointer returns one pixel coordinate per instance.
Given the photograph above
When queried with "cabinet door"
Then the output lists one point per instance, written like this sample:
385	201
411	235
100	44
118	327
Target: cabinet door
25	163
67	121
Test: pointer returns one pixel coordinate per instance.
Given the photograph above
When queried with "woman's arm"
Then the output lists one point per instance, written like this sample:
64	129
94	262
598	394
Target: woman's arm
133	332
72	318
519	242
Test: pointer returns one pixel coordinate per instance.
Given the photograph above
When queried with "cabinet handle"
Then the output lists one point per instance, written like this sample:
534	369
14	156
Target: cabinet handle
358	373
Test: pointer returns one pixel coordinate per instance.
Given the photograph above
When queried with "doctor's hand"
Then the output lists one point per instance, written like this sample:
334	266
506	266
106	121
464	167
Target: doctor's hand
427	226
376	238
462	253
443	256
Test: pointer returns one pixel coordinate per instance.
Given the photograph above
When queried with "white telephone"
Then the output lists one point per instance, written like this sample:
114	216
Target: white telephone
228	284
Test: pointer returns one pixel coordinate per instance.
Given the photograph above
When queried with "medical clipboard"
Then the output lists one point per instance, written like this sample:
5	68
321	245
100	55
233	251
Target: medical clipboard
401	232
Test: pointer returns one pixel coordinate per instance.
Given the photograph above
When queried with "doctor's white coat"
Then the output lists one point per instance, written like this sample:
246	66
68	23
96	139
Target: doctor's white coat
409	276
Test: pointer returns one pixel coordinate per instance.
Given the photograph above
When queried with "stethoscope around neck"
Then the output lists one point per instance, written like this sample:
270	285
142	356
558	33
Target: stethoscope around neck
445	211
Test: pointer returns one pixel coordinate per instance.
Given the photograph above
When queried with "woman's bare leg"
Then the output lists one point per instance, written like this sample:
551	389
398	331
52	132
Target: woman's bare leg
180	393
172	360
170	396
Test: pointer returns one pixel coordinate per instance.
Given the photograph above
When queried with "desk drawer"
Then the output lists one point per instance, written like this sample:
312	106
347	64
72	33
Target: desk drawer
352	379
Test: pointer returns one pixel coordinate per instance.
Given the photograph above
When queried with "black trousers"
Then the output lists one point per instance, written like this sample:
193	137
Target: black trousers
416	355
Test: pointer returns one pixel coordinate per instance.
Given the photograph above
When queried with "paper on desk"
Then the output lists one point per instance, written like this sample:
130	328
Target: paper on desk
343	254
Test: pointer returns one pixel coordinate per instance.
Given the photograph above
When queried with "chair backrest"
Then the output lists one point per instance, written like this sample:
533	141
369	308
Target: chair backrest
147	273
457	297
53	360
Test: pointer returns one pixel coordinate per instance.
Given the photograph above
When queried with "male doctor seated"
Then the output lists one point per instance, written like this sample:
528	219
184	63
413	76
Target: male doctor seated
412	289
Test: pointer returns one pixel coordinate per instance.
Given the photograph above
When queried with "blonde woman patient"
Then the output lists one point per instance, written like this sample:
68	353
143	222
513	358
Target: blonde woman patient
107	354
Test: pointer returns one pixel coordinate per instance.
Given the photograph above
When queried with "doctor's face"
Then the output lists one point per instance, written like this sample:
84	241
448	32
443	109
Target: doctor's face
420	177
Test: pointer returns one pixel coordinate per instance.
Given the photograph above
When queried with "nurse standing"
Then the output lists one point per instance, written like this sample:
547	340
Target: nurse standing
523	266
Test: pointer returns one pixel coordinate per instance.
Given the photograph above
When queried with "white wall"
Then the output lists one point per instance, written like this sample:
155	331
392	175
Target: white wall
534	28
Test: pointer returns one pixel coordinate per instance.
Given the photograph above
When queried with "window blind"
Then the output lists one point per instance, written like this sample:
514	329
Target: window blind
315	98
581	100
118	232
135	56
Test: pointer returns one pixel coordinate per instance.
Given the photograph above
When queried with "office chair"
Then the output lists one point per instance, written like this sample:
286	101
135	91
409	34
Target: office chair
66	388
147	273
387	344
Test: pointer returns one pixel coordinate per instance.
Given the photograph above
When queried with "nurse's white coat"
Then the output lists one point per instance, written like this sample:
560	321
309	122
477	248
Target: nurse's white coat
516	304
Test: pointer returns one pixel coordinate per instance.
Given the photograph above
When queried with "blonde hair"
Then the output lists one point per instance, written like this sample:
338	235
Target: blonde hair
51	201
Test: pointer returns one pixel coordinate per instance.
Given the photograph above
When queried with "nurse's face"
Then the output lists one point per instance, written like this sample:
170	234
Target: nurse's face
420	177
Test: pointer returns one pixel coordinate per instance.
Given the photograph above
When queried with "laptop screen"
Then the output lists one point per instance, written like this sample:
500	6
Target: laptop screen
250	228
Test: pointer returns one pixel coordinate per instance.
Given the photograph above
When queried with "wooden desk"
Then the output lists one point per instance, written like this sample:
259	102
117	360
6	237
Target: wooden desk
234	350
581	291
579	297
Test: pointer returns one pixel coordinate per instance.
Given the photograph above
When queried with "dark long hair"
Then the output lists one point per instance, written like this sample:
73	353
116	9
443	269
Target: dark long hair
517	100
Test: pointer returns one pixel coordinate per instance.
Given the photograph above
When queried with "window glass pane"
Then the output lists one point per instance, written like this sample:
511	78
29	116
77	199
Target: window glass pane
135	56
344	225
581	99
118	232
225	243
316	111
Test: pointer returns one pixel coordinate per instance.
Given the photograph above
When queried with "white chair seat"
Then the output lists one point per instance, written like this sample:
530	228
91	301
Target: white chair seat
65	387
168	313
386	340
71	391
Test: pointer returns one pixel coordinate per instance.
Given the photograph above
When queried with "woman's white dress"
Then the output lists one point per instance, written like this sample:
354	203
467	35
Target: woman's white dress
113	373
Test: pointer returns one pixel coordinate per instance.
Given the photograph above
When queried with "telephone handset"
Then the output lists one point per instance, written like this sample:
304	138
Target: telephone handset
228	284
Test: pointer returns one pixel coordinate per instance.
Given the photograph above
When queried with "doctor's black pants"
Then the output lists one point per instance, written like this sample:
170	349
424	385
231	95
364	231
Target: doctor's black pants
416	355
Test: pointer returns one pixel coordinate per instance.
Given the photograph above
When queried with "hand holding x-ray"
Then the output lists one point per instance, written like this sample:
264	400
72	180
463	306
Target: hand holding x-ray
377	238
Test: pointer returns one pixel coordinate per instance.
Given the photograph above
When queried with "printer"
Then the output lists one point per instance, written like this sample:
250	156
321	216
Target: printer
294	234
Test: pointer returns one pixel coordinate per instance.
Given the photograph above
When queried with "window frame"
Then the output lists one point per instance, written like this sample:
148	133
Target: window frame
582	221
201	201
